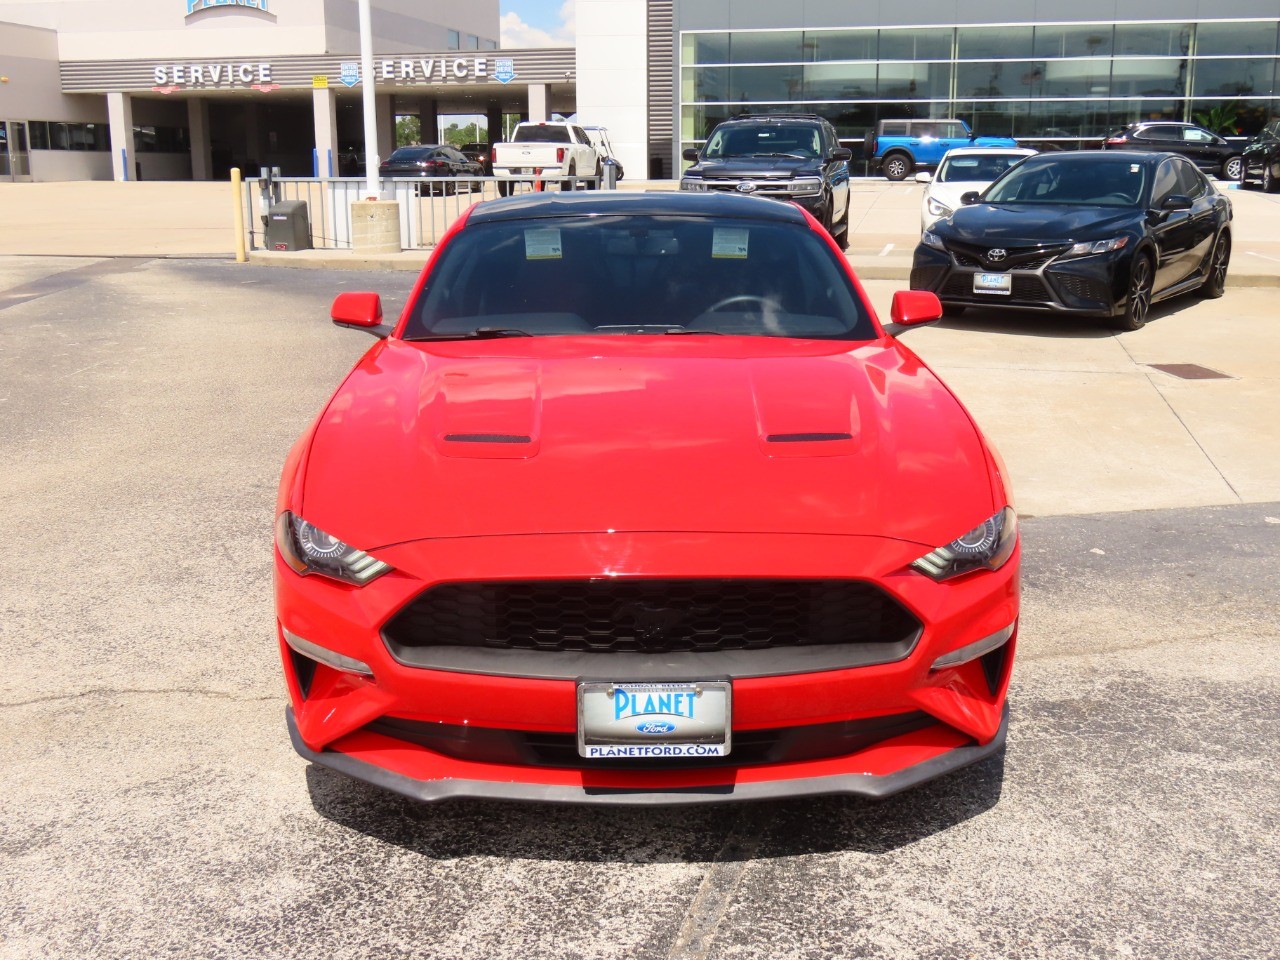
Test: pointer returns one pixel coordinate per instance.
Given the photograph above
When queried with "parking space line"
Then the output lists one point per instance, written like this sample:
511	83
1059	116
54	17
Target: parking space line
887	248
1263	256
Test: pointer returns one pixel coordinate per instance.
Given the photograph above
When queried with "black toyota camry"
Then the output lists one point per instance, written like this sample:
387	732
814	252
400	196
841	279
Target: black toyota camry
1085	233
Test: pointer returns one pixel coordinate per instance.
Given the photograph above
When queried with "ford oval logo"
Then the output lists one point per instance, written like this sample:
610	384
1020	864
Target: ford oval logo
654	727
747	187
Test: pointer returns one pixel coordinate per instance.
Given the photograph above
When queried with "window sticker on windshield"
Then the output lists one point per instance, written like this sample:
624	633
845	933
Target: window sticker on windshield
729	243
542	243
1134	168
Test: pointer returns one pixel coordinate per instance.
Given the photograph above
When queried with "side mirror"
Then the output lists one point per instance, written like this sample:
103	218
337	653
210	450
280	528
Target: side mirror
913	308
841	154
690	154
363	311
1175	202
924	176
971	197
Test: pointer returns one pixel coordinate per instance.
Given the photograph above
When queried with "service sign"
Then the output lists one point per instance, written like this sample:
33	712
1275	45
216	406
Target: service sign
212	74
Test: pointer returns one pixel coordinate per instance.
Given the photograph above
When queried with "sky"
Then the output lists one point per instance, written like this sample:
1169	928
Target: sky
537	23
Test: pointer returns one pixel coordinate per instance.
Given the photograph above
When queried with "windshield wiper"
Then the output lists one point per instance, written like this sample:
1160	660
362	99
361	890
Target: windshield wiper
479	333
682	332
790	156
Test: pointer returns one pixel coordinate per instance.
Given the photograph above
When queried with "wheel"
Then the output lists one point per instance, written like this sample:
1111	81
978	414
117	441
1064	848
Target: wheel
1268	178
593	184
1231	168
1141	280
570	183
842	228
506	188
1215	282
953	310
897	166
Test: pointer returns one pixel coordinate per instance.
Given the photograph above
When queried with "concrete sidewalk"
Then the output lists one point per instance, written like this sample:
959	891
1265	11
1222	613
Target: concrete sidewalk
97	219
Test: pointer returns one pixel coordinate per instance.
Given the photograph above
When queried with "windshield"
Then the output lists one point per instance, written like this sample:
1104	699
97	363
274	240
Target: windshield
410	153
1087	180
541	134
767	140
652	275
975	169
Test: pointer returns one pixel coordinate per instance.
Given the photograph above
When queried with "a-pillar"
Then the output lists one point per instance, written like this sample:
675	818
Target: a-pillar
201	153
386	113
120	122
537	103
325	113
428	120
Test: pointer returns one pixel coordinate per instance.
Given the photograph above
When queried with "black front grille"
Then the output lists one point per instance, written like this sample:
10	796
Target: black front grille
748	747
650	616
1015	258
1086	288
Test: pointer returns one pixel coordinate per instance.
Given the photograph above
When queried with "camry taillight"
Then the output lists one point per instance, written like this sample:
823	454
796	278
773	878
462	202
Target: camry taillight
559	154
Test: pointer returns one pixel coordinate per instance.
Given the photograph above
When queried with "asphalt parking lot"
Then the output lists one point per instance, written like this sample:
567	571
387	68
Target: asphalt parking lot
152	804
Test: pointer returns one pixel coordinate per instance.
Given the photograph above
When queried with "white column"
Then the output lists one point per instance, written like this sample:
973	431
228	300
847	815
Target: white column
386	125
325	113
612	62
120	121
198	126
537	102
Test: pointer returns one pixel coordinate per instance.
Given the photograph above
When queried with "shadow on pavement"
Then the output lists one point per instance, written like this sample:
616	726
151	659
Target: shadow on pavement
1014	324
655	834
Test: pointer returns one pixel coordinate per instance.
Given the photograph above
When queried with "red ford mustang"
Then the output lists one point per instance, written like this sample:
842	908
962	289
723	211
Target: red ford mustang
638	502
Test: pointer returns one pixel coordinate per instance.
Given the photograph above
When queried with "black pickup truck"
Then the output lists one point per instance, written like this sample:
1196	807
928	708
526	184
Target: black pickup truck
791	157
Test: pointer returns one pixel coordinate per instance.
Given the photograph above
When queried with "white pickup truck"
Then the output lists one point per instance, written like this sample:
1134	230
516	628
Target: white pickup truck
550	149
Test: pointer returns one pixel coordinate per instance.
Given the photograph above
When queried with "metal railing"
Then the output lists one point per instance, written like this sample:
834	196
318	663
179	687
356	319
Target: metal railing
428	205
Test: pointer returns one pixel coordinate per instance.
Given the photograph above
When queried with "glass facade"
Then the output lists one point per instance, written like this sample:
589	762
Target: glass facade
1061	84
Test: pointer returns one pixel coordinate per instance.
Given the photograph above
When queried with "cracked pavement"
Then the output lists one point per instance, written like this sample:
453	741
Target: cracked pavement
152	805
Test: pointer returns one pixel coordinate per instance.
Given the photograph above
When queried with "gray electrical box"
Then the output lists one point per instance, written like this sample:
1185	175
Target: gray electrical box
287	226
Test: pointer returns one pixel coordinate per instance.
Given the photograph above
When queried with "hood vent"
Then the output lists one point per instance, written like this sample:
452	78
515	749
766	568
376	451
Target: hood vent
487	438
807	437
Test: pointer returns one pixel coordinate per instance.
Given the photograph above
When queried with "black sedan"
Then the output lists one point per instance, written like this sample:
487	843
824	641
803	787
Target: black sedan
430	161
1262	159
1084	233
1208	151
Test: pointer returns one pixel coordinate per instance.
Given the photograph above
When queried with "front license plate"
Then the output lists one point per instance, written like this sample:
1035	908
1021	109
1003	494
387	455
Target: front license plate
999	283
639	721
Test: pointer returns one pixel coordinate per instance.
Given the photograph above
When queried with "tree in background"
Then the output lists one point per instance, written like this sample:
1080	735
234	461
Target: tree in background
408	131
457	136
1220	119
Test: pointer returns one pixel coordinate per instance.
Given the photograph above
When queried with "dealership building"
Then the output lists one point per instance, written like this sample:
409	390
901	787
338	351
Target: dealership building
189	88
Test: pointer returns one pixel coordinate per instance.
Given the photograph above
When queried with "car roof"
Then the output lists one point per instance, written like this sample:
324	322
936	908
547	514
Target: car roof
1164	123
539	206
1102	156
414	148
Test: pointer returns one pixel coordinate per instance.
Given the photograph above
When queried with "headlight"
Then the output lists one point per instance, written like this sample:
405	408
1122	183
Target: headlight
805	187
696	186
1096	246
308	549
985	547
937	208
931	239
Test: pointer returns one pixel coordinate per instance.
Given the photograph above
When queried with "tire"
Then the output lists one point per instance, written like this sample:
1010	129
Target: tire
896	166
1269	184
506	188
1231	168
594	184
1215	281
1138	304
570	184
842	229
953	310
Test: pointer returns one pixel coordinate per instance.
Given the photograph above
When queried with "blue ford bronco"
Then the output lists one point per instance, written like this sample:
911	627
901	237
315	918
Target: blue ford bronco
898	147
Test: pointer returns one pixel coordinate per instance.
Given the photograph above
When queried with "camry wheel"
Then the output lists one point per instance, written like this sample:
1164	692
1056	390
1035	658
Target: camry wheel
896	167
1139	304
1231	169
1268	178
1215	282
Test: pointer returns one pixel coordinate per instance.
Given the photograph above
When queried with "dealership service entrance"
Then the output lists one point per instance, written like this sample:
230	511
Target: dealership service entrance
196	120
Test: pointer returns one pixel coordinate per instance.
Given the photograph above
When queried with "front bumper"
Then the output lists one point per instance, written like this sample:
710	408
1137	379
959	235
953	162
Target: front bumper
436	733
1093	286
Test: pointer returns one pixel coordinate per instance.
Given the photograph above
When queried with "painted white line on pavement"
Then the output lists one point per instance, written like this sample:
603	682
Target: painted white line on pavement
1263	256
887	248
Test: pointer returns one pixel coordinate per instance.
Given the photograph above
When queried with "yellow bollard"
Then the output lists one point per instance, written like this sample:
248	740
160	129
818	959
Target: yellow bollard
237	203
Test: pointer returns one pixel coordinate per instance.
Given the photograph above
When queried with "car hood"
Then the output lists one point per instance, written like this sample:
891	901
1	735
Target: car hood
757	167
1034	223
591	434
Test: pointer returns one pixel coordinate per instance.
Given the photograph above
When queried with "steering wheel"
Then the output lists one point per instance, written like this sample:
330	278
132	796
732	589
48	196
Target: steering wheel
1122	197
764	302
